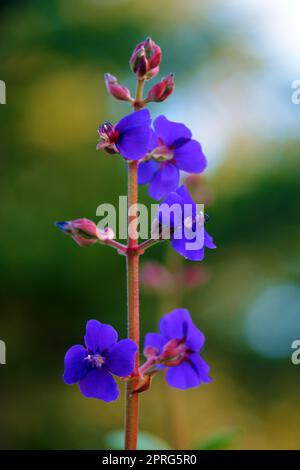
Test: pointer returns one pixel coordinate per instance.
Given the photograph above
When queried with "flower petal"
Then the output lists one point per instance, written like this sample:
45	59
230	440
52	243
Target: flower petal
171	325
170	131
178	324
188	374
137	118
76	367
164	181
153	143
99	383
120	358
146	171
187	244
187	200
208	241
170	211
133	143
155	340
190	157
201	366
99	337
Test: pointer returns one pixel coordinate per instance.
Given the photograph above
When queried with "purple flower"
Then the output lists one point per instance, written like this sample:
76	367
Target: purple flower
92	366
177	347
172	149
179	213
130	137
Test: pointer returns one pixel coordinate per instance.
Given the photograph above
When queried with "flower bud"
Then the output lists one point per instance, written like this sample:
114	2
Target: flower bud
153	53
115	89
107	137
140	64
162	90
145	59
83	231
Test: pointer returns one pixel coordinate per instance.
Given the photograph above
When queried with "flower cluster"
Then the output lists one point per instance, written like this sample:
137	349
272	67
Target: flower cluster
155	152
175	348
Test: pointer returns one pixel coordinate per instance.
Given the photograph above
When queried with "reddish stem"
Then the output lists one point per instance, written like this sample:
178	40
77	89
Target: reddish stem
131	417
133	315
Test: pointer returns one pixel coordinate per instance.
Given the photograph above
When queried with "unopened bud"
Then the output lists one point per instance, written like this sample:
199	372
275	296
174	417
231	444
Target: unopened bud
145	59
83	231
162	90
115	89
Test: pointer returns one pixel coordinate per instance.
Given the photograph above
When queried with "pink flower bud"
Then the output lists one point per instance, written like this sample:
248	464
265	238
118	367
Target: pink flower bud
83	231
162	90
153	53
115	89
145	59
107	137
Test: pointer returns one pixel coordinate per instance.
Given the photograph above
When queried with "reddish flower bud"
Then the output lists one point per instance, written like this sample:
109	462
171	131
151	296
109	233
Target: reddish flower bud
153	53
140	64
83	231
162	90
115	89
152	73
107	138
145	59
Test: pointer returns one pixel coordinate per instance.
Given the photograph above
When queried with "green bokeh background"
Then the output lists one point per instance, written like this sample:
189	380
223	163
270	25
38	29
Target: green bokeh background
53	55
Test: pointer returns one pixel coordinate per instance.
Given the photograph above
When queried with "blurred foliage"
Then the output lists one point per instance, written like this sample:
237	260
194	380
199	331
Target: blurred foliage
53	55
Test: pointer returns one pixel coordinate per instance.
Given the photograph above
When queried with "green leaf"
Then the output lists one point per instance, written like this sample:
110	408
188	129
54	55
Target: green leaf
114	440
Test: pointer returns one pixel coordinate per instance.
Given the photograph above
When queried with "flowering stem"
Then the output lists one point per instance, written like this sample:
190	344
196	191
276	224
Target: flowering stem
138	103
133	313
131	414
